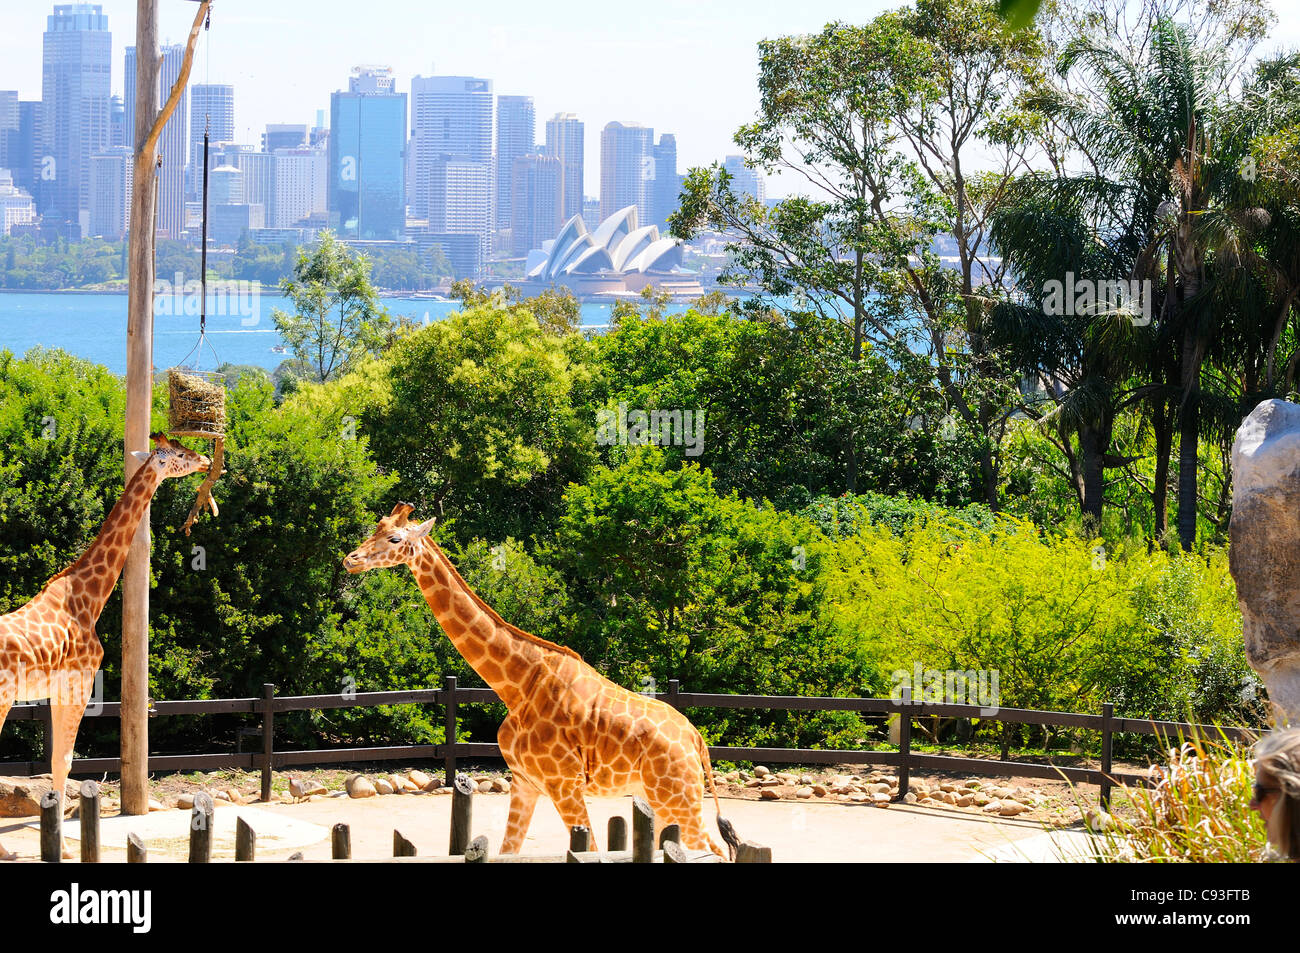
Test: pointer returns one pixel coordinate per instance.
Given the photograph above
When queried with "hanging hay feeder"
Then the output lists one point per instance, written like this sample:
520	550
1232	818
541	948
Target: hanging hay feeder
197	406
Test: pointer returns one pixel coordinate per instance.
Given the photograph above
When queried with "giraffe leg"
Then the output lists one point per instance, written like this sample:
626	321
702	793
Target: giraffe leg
570	800
6	702
677	797
523	798
66	719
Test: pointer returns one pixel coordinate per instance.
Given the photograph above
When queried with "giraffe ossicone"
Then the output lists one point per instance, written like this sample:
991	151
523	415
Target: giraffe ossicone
48	647
570	731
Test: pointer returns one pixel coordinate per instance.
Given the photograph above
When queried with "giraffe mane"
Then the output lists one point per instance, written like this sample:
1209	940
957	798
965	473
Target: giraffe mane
494	615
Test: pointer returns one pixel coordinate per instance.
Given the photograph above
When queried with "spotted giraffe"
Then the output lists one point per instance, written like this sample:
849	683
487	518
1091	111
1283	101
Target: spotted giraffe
570	731
48	647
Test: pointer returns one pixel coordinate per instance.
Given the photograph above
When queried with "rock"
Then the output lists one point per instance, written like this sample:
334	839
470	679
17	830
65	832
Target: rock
484	786
234	796
948	786
965	800
21	797
1011	808
992	807
909	798
382	786
770	781
1264	551
419	779
878	798
891	780
156	805
402	785
804	792
500	785
859	797
879	788
949	797
761	772
358	786
982	799
753	782
185	802
1098	821
221	796
973	785
820	790
768	794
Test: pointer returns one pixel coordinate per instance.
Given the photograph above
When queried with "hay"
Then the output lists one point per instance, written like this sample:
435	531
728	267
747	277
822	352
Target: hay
198	403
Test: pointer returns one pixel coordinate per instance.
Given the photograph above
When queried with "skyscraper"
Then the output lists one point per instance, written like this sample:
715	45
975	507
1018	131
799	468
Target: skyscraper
367	181
451	116
627	169
22	145
75	97
536	182
516	136
212	106
564	135
8	123
173	147
112	173
280	135
667	183
744	180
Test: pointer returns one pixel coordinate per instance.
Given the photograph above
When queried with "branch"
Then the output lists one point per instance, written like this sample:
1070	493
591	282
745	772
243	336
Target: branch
178	89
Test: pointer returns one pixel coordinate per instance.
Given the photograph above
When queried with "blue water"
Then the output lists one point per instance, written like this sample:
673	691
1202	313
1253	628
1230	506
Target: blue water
93	326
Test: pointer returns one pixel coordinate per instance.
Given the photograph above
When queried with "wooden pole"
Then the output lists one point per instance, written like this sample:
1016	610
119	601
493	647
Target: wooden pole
202	819
245	842
136	852
617	839
51	827
341	842
89	809
462	814
149	123
643	831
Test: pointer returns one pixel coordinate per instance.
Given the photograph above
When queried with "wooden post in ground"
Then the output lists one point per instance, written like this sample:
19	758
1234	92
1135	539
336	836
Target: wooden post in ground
579	840
149	123
245	841
51	827
268	740
462	814
617	838
202	819
750	853
643	831
477	852
135	850
89	809
670	833
401	846
1107	737
674	853
341	842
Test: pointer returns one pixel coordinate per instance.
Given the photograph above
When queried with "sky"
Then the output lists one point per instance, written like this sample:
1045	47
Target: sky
688	67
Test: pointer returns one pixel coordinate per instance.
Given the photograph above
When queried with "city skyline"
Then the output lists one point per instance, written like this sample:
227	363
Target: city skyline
712	91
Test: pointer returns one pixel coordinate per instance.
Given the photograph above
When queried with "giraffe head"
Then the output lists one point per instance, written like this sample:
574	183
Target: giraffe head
394	542
171	459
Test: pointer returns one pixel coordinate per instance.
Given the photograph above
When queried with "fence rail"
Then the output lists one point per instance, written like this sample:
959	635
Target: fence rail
451	696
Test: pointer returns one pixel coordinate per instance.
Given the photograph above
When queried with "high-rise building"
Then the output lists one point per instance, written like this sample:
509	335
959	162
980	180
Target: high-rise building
536	182
299	186
463	206
16	205
18	144
367	149
259	177
8	123
117	134
173	147
564	135
744	180
280	135
75	107
112	174
516	136
451	116
667	183
212	108
627	169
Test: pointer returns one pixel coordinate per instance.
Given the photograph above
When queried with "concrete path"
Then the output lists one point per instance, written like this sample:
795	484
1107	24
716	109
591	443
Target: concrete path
796	832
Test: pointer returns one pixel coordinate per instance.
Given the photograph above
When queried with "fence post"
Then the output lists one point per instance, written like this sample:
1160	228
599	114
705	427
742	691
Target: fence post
47	730
462	813
1107	715
477	851
671	832
401	846
579	841
341	842
674	853
674	686
904	742
617	837
89	809
245	841
51	827
750	853
136	853
268	739
643	831
202	820
449	736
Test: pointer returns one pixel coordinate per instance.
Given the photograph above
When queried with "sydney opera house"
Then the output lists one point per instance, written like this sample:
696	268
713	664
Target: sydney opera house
619	257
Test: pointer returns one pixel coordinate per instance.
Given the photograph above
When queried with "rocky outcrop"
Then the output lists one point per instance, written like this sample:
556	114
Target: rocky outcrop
1265	553
21	797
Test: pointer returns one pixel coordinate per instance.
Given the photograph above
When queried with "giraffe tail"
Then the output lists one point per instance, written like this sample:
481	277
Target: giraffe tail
725	827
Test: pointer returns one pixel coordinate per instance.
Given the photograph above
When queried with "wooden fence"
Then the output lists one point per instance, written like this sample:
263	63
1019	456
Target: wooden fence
451	697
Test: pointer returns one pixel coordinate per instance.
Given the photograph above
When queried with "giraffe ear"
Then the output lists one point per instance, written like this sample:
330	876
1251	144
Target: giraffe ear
140	455
421	530
400	512
160	440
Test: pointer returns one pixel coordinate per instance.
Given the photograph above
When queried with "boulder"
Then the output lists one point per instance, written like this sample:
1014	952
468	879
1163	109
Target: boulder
1264	555
382	786
419	779
769	794
21	797
358	786
761	772
804	792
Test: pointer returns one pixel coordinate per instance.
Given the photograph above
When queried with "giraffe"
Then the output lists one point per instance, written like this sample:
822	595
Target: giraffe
570	731
48	647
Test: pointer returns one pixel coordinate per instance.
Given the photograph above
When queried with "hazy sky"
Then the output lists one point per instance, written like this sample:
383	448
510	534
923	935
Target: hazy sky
688	67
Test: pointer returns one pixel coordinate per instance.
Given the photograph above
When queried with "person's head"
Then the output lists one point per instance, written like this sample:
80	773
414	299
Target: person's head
1277	789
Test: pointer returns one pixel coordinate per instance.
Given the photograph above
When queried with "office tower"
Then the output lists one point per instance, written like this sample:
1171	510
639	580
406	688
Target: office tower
535	194
225	186
22	145
367	180
8	123
259	177
212	106
173	147
16	205
564	140
299	186
284	136
451	116
667	183
627	169
591	213
117	134
744	180
112	175
516	136
75	108
463	200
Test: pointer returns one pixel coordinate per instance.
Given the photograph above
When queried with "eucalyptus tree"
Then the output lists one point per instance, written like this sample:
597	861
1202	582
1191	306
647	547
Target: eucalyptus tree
882	124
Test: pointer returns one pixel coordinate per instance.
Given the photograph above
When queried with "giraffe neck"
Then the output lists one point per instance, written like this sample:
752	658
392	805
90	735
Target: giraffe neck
505	657
95	572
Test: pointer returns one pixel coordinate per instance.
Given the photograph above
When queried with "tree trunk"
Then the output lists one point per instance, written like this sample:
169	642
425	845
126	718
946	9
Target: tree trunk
1164	428
1092	448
